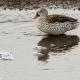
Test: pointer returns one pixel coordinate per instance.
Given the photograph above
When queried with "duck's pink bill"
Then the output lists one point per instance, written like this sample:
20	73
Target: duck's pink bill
35	17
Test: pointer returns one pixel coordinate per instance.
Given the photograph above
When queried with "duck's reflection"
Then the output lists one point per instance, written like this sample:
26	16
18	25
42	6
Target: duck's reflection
56	44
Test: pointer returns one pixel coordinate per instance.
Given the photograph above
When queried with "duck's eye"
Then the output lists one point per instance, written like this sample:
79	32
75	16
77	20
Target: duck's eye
37	14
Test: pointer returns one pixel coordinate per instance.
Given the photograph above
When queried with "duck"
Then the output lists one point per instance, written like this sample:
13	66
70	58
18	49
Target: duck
54	24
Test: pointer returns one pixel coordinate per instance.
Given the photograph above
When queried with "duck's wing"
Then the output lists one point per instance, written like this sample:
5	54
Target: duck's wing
59	18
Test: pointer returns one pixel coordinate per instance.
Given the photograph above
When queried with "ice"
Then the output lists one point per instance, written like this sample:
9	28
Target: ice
38	47
6	55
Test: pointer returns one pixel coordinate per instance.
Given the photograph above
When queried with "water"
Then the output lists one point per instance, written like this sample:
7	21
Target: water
38	56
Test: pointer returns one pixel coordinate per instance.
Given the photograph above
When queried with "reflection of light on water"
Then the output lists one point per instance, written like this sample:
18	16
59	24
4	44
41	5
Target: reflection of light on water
56	45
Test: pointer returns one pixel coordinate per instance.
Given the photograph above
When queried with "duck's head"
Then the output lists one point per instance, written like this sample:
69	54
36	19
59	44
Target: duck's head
42	12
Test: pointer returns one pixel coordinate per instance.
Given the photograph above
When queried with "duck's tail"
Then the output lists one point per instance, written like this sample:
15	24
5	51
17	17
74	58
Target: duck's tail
75	24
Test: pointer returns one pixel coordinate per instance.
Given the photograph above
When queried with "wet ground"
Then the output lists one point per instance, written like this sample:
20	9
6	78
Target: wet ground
37	56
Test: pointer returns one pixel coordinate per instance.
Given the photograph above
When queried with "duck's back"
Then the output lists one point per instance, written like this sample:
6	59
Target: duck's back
59	18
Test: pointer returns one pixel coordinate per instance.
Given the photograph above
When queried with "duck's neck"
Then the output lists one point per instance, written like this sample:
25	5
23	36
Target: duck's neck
41	19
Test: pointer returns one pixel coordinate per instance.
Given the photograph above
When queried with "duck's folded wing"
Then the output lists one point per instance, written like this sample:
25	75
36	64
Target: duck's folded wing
59	18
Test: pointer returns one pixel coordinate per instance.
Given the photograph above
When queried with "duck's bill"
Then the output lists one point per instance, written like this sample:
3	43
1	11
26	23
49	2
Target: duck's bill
35	17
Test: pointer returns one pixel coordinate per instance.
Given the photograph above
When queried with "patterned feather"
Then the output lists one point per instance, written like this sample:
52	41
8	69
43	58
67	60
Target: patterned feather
59	18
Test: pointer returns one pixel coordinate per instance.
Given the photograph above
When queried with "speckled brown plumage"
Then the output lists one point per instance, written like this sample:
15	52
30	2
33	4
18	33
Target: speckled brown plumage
54	24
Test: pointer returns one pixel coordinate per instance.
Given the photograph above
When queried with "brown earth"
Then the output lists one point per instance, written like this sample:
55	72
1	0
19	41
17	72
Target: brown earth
20	4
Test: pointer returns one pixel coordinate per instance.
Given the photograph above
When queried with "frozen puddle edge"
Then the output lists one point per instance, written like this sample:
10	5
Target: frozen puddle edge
6	55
